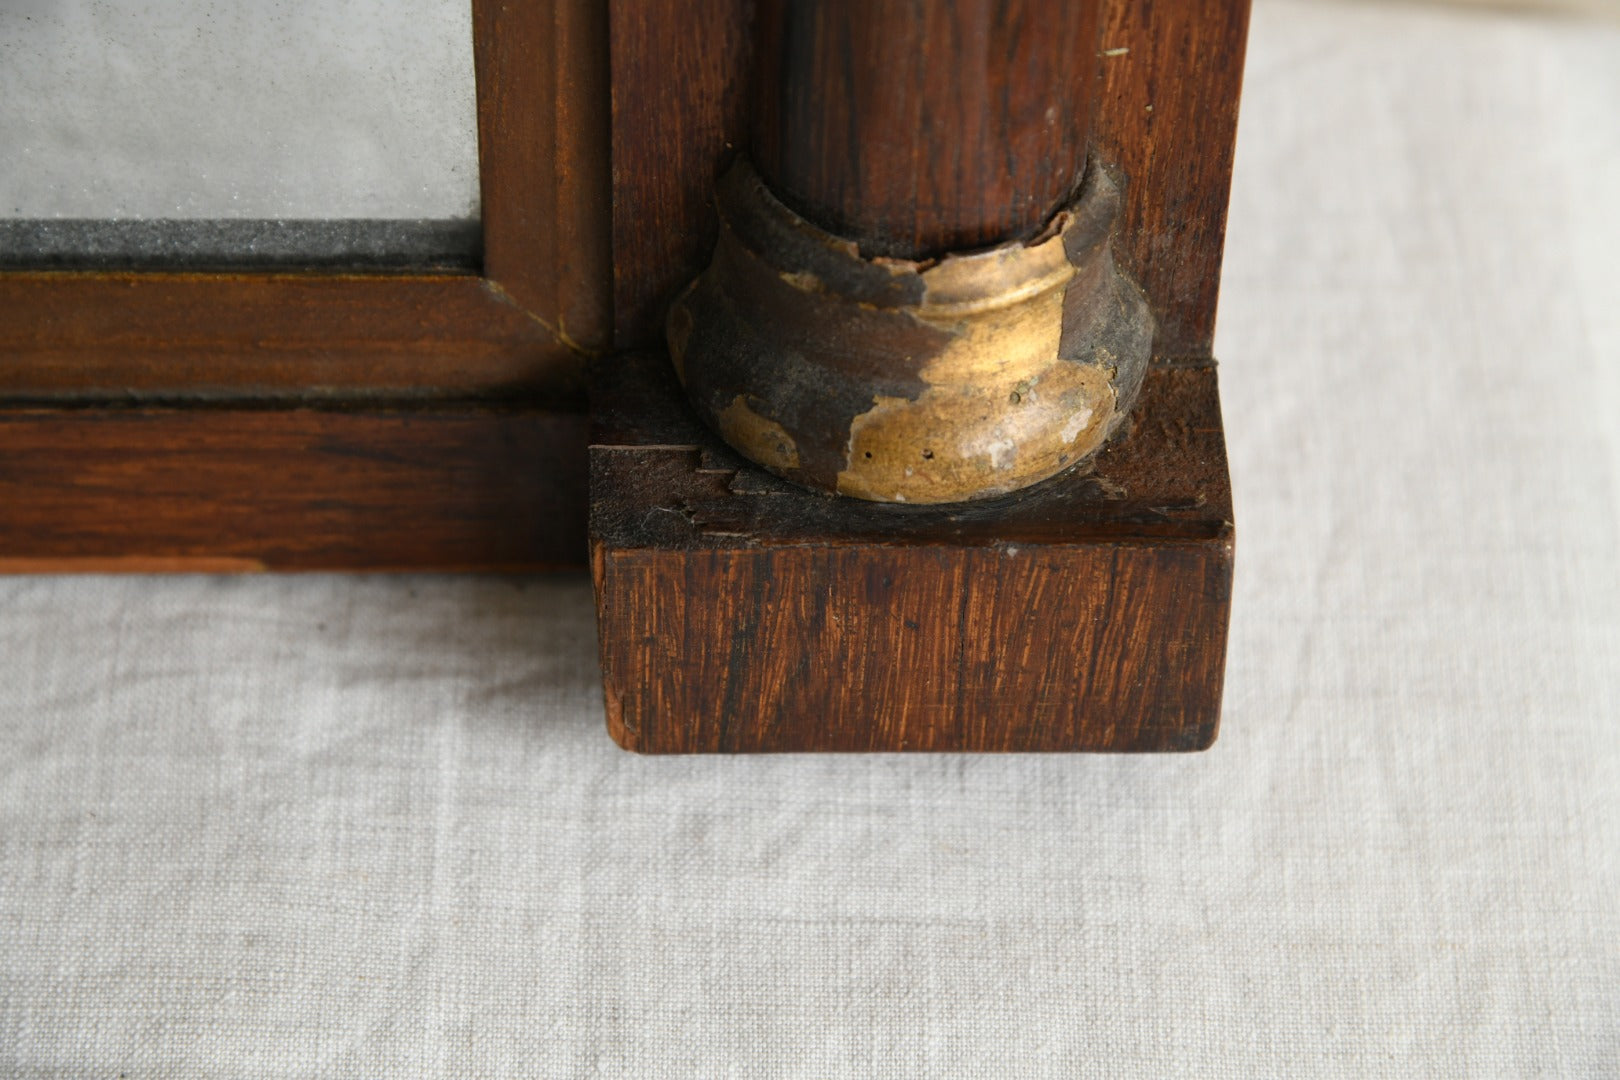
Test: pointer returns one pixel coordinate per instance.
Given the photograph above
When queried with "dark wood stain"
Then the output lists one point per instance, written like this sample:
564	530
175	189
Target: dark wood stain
234	489
680	110
543	127
177	335
918	129
1167	113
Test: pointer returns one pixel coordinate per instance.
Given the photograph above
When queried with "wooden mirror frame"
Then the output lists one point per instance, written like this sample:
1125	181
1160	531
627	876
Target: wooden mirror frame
437	421
516	326
183	420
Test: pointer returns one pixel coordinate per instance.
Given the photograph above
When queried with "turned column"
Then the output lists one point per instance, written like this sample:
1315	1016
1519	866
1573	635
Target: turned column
913	298
917	129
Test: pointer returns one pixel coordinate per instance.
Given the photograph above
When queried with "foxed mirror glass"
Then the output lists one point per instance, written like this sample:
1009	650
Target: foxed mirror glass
218	134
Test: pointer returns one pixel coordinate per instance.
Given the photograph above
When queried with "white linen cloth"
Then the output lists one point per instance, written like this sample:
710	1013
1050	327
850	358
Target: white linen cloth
352	827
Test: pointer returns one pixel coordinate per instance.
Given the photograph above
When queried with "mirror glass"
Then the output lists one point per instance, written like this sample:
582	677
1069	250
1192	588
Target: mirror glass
237	133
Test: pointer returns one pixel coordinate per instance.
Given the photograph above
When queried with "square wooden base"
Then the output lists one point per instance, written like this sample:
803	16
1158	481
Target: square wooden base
739	613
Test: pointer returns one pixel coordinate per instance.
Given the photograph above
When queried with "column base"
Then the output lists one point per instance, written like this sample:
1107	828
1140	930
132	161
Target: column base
739	613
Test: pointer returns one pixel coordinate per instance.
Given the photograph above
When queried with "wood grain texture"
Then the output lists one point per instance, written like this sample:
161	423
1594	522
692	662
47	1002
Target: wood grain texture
738	613
520	328
231	489
680	110
543	117
182	335
1167	114
681	75
920	130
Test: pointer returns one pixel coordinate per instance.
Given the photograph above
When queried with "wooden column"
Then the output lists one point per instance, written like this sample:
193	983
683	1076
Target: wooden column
922	128
913	298
913	304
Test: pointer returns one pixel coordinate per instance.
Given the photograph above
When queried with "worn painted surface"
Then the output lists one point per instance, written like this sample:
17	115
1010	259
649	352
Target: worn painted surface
898	381
758	438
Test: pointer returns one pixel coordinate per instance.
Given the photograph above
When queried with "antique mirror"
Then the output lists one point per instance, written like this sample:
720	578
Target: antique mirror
231	199
196	135
861	350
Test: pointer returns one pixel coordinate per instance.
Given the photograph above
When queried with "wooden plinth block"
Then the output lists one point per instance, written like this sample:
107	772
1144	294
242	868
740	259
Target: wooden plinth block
739	613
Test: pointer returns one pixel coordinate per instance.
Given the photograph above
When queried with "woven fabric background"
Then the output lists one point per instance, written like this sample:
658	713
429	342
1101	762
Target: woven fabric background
350	827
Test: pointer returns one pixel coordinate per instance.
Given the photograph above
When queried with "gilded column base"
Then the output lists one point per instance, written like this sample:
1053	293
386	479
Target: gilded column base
944	381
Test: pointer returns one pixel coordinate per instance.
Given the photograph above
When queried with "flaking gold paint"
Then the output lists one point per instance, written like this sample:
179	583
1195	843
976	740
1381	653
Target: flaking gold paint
1002	409
952	444
757	437
963	377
